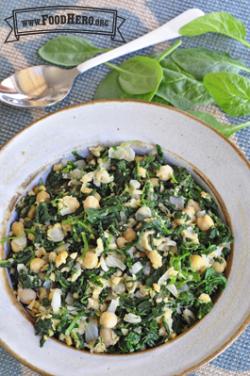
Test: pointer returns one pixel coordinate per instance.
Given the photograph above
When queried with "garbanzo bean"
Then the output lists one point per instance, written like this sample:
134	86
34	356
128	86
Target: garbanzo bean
205	222
108	320
90	260
91	202
36	264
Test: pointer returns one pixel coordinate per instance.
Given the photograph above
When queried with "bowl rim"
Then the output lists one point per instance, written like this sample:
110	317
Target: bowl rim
242	156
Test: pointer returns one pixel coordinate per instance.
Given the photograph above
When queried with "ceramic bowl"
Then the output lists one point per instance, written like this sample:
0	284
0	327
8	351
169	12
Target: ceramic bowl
187	142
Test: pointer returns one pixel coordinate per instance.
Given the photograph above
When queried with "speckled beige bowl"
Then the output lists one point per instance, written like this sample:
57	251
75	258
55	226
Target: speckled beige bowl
186	140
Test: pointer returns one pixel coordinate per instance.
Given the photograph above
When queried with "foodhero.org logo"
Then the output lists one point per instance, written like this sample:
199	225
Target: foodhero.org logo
71	19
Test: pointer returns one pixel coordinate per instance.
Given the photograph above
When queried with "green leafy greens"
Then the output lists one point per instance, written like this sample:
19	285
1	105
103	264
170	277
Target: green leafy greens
230	91
186	78
68	51
216	22
108	260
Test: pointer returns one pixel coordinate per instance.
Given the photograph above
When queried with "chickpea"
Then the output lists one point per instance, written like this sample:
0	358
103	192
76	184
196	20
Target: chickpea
52	256
57	167
42	196
108	320
165	173
42	293
142	172
17	228
204	298
197	263
68	341
91	202
129	234
31	212
26	295
55	233
61	258
115	280
154	182
18	243
155	258
68	205
219	267
205	222
191	236
193	204
40	252
190	211
31	237
156	287
108	336
36	264
90	260
121	241
143	213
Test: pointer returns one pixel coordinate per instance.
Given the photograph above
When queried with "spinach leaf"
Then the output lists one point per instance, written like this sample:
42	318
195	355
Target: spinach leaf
213	281
181	89
216	22
68	51
109	88
42	213
130	343
230	91
139	75
6	263
227	130
200	61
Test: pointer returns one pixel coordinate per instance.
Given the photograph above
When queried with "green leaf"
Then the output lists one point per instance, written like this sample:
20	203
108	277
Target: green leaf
139	75
230	91
216	22
68	51
109	88
181	89
200	61
227	130
6	263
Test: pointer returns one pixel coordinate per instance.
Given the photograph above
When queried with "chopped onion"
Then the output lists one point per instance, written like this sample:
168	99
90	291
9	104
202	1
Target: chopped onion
113	305
136	267
47	284
134	184
21	267
216	253
173	290
115	262
178	202
103	265
91	331
147	269
165	276
188	315
120	288
122	152
132	318
69	299
131	251
170	242
56	301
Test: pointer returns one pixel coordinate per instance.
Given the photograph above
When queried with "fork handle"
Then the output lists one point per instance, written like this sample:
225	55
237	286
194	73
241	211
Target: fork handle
168	31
